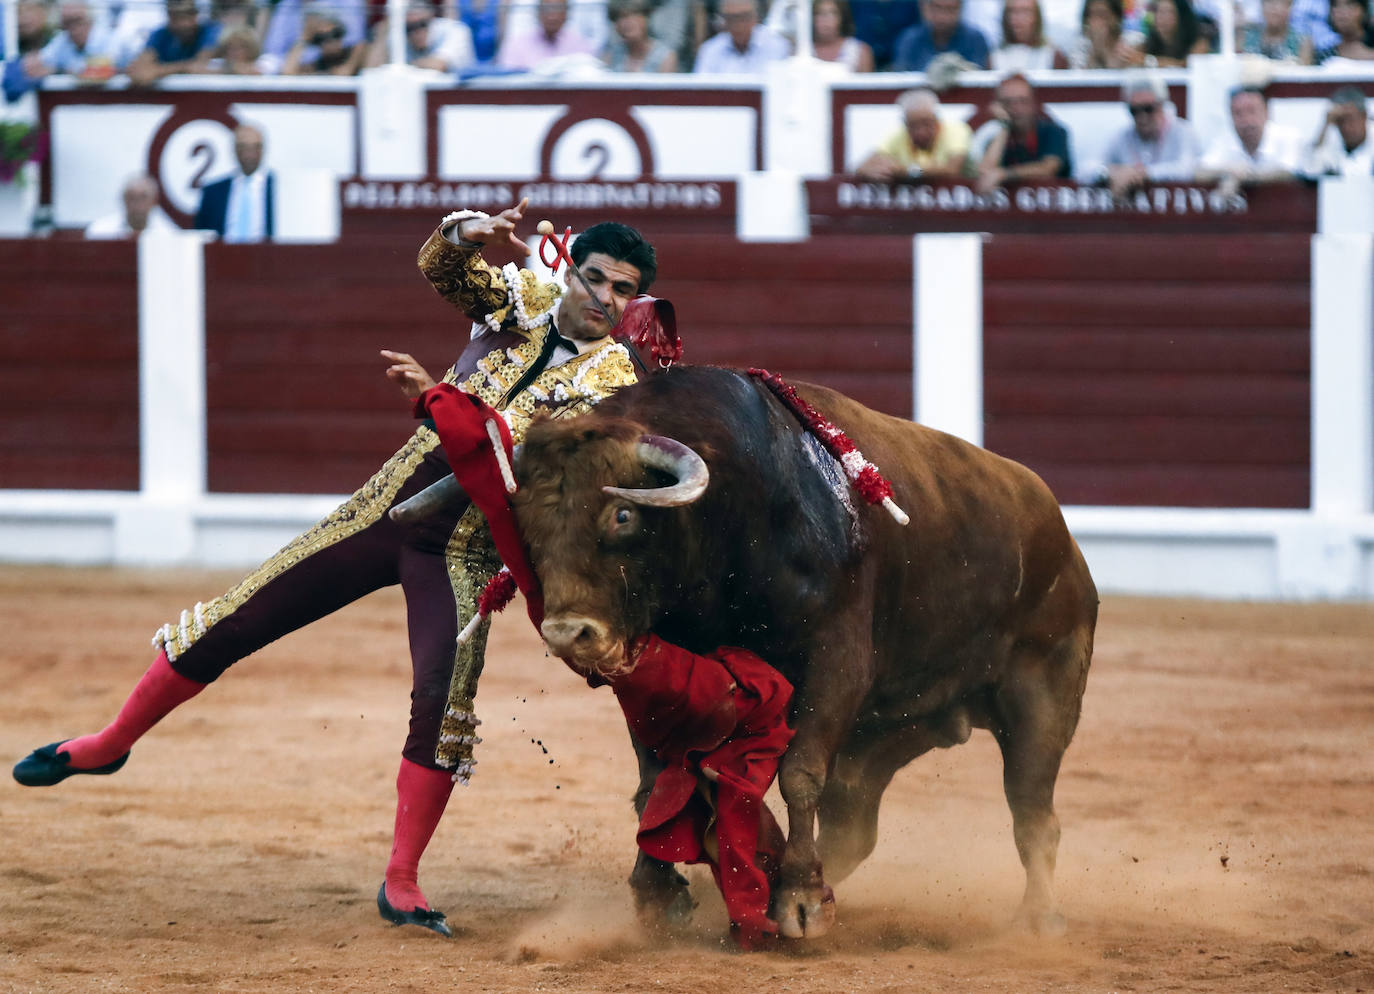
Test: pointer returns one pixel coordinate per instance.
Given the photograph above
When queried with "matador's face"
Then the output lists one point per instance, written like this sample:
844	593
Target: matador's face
614	282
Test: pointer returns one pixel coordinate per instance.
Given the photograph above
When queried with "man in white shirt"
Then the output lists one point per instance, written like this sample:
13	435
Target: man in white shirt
141	213
745	46
240	207
1256	150
1342	146
432	42
1157	146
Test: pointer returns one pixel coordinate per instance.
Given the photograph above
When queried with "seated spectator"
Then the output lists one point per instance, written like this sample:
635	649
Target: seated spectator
33	19
832	36
1312	19
483	18
321	49
1274	37
89	51
240	207
1256	151
925	145
1156	146
1103	44
553	37
288	24
879	23
745	46
1172	35
1027	145
1342	146
432	42
185	44
237	53
1350	20
941	30
1023	40
231	15
141	212
634	49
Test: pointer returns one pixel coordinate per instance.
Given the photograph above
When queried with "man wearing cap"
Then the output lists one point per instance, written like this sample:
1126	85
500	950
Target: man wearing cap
535	346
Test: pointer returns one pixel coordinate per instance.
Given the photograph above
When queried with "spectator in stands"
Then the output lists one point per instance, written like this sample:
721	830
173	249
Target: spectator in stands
1026	145
140	213
1156	146
925	146
232	15
1350	20
1311	19
745	46
1274	37
1256	151
85	49
832	36
1102	44
483	18
634	48
1342	146
879	23
237	53
553	37
321	49
432	42
288	24
240	207
1023	40
941	30
185	44
33	19
1172	35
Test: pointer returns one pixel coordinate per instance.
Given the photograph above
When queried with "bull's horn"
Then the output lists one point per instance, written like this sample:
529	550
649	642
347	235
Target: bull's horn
671	456
442	493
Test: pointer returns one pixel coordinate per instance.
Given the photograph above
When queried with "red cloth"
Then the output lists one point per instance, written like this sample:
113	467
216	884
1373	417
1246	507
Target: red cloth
722	718
651	322
460	419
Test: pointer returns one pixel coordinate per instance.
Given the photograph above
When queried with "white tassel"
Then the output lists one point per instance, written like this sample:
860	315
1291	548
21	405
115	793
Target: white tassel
507	477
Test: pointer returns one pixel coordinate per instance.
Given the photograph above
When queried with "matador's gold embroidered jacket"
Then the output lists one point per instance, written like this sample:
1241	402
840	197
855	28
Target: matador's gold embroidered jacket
513	309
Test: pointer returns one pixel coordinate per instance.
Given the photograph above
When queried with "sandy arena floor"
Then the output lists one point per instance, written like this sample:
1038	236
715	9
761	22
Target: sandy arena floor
1217	805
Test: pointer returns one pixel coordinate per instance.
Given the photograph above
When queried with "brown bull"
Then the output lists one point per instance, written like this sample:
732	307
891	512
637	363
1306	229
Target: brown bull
978	614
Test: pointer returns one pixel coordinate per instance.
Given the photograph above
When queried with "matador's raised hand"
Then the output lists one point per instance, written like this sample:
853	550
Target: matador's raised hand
406	373
497	229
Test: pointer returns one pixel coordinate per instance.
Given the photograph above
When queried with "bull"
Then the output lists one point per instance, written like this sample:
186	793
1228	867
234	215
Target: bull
978	614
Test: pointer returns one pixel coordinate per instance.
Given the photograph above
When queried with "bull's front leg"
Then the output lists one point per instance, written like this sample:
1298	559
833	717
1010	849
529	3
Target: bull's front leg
661	894
837	680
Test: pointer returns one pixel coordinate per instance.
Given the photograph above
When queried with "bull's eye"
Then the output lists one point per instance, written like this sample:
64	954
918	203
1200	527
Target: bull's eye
623	516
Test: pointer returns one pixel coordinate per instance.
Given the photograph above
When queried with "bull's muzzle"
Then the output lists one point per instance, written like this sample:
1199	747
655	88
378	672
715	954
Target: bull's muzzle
584	642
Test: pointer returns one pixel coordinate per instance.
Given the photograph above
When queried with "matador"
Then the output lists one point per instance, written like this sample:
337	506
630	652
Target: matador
536	345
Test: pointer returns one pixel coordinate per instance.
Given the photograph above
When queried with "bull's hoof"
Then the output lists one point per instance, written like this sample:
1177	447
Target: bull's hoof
46	766
805	914
424	917
663	898
1046	924
667	905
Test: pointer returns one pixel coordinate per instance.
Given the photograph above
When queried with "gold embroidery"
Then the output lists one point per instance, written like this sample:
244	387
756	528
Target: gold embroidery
472	561
366	506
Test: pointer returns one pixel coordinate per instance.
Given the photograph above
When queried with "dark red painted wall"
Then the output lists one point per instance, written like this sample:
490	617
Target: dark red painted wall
1152	370
68	365
297	402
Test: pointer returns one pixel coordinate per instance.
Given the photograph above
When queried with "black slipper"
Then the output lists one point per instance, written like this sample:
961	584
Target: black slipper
46	766
424	917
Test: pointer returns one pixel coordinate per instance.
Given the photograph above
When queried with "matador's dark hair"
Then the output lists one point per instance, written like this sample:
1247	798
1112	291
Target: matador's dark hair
620	242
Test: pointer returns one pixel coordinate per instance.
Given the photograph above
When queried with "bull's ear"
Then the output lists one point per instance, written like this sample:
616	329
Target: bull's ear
674	458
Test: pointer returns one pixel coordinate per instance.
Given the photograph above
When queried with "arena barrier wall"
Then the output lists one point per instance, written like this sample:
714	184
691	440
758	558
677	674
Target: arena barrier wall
260	398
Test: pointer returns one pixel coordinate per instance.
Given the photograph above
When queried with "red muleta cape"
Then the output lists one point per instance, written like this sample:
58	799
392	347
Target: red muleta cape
460	420
719	723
